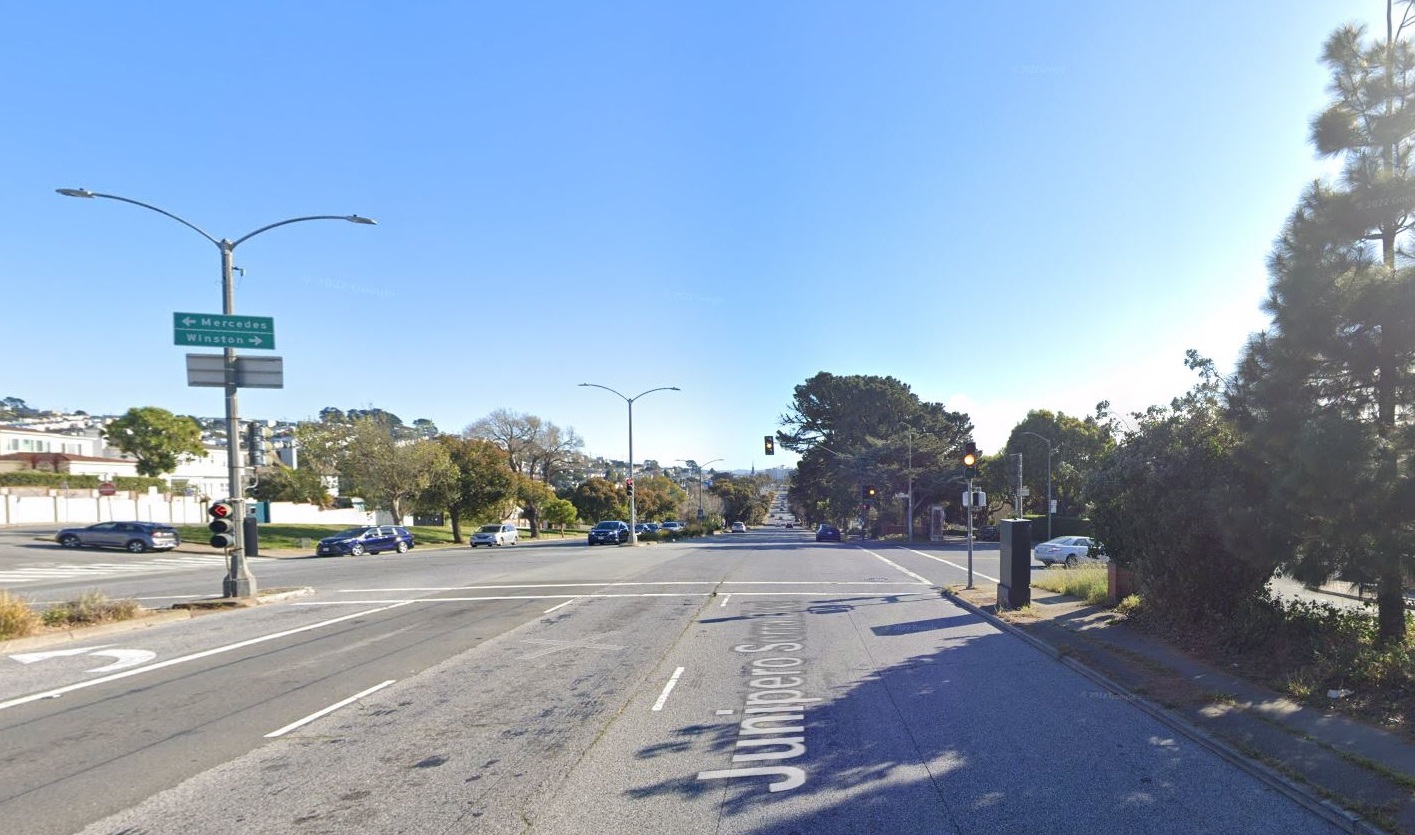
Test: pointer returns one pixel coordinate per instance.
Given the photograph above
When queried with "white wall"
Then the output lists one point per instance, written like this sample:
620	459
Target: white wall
41	506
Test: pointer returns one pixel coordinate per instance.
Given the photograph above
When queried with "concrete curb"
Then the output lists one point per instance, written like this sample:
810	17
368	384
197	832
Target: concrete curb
1328	811
85	632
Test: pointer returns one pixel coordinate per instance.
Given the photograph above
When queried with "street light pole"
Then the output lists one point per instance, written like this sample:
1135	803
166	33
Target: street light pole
1046	441
633	507
699	468
239	581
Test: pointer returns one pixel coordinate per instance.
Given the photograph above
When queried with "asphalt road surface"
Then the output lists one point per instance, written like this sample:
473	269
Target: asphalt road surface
753	683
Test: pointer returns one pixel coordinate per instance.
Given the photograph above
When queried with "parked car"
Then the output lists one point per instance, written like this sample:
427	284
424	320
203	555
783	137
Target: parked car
643	528
673	525
136	537
827	533
370	539
988	533
738	527
609	532
1070	551
490	535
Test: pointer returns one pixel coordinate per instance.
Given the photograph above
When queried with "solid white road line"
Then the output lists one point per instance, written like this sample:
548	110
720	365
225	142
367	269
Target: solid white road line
330	709
667	688
590	596
724	601
558	605
59	691
615	585
896	566
954	564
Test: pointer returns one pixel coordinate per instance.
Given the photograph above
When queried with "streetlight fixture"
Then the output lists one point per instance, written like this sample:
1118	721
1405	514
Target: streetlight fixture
1046	441
633	506
239	581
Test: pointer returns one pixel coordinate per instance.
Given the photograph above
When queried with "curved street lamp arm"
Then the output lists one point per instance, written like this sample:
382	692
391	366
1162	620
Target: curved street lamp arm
249	235
606	388
650	391
83	192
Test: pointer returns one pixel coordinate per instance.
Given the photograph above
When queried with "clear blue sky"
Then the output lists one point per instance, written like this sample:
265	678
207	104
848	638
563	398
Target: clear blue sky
1006	206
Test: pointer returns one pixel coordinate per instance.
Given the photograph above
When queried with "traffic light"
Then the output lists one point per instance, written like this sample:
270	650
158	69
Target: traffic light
970	460
629	486
868	493
257	444
770	445
223	524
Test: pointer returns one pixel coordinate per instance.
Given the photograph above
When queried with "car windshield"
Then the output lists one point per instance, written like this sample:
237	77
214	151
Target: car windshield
352	532
606	526
490	529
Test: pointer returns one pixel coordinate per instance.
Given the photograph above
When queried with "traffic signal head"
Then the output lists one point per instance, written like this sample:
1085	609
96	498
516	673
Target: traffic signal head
868	492
223	524
970	460
629	486
770	445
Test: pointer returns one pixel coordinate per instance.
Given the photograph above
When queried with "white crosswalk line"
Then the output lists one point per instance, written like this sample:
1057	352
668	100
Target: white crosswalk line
32	574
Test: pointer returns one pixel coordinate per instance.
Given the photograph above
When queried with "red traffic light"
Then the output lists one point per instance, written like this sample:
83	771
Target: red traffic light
221	510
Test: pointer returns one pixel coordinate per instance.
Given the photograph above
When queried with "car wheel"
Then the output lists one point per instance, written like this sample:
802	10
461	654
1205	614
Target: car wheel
136	546
356	550
69	541
1070	560
402	547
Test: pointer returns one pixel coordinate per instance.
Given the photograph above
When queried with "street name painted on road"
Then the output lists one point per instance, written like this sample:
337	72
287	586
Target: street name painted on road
208	329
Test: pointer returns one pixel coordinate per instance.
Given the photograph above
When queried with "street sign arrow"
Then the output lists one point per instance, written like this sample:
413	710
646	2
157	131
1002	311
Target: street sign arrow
126	658
31	657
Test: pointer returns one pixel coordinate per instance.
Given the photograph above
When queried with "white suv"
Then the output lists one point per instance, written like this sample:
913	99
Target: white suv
489	535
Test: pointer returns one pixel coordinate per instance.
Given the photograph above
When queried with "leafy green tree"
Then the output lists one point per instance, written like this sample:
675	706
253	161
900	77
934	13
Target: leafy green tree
156	438
743	498
657	498
853	431
532	496
1077	446
1325	396
479	488
279	483
558	513
389	473
1169	504
596	499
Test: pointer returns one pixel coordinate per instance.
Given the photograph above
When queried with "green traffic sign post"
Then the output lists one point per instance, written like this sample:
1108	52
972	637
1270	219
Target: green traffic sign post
212	330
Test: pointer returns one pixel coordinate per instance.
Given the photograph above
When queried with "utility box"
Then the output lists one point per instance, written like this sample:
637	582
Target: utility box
1014	589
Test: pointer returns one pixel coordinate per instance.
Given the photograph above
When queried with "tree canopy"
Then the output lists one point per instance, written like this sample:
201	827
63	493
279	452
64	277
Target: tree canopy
156	438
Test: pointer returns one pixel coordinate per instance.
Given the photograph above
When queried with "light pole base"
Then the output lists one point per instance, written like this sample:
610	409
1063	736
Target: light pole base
238	587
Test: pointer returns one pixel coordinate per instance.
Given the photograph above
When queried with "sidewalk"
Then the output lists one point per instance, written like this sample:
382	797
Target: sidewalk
1324	756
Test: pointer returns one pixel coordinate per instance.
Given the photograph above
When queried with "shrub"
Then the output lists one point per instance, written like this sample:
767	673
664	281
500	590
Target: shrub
17	619
91	607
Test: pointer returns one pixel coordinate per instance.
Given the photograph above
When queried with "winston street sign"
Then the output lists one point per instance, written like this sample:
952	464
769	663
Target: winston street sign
211	330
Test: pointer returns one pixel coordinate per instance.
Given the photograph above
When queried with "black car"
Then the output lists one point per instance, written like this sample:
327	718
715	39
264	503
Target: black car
827	533
609	532
135	537
988	533
370	539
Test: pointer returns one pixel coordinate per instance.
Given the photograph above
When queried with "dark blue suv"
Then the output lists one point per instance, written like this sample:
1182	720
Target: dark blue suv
371	539
609	532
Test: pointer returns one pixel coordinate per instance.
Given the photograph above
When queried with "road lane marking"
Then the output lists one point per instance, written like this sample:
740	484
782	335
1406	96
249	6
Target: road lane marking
725	599
59	691
378	602
313	716
896	566
667	688
614	585
559	605
954	564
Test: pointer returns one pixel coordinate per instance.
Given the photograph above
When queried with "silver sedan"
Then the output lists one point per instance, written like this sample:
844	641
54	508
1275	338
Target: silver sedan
1070	551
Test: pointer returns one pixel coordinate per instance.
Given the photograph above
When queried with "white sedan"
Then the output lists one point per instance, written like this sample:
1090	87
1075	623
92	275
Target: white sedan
1070	551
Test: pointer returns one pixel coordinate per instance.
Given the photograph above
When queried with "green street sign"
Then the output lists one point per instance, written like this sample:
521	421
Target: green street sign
208	330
